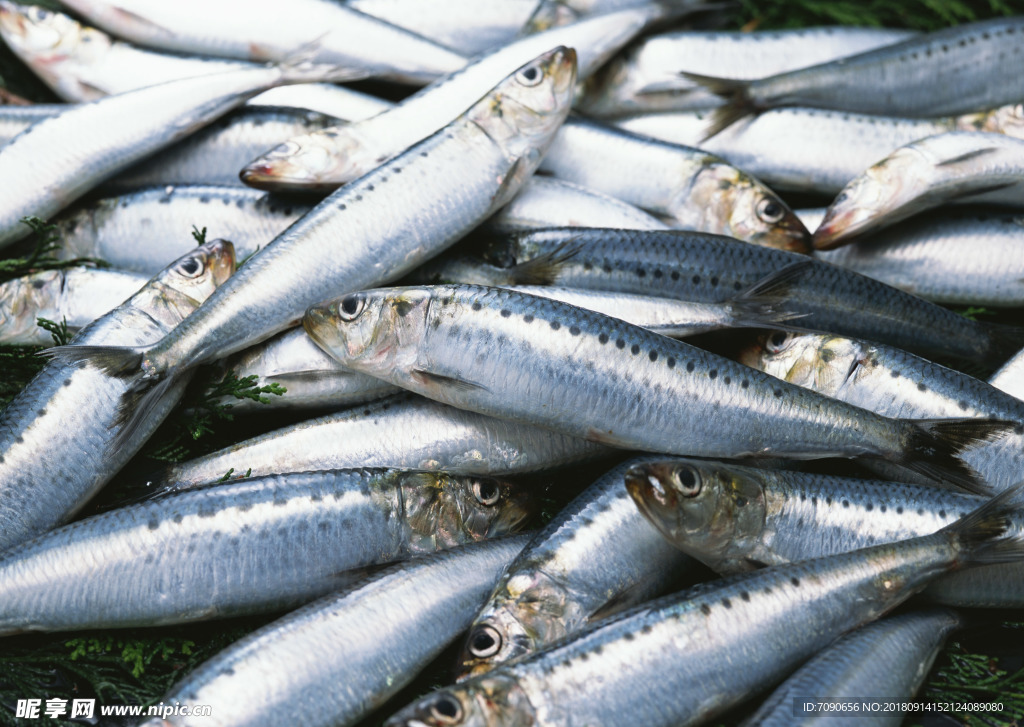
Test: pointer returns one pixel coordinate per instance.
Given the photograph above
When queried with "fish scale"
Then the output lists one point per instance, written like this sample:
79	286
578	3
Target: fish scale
577	372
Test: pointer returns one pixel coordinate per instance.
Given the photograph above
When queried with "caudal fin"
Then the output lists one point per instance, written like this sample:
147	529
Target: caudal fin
985	535
738	104
935	446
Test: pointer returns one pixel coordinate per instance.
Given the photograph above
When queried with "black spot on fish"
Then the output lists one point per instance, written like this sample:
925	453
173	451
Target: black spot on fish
620	343
942	513
602	338
690	367
922	387
607	268
895	374
165	200
745	596
778	393
795	581
727	603
713	374
505	313
696	279
671	362
178	518
629	636
882	508
67	382
154	523
828	501
41	412
653	355
705	609
359	198
527	318
714	281
727	380
204	199
588	266
962	404
846	503
574	330
641	273
899	510
658	273
803	497
398	170
634	349
674	275
342	207
476	305
646	629
920	511
423	153
869	507
744	384
555	325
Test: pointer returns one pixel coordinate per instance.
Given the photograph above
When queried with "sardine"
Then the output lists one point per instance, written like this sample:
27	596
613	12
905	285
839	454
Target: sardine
688	658
923	175
343	646
55	435
1010	378
400	431
567	576
242	547
586	375
75	296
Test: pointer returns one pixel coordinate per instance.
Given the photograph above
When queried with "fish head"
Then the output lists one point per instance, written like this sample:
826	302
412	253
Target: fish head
733	203
376	331
822	362
446	510
182	286
708	511
56	47
1008	120
871	199
523	112
492	700
528	609
320	161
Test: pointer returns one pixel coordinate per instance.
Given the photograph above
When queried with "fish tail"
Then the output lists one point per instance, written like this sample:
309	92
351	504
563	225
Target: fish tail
764	304
738	104
119	361
985	536
935	446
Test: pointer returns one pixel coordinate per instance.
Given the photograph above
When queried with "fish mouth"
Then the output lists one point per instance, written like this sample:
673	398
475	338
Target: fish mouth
841	226
318	323
645	484
794	235
11	21
272	176
222	259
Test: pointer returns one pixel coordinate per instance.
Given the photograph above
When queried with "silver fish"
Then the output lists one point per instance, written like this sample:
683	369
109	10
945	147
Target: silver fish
738	518
923	175
71	410
647	76
343	647
587	375
400	431
568	576
894	383
243	547
142	231
76	296
673	661
884	662
1010	378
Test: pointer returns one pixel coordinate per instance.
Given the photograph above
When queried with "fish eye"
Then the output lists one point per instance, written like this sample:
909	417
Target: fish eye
778	342
484	642
770	211
446	709
486	492
530	76
191	267
688	481
351	306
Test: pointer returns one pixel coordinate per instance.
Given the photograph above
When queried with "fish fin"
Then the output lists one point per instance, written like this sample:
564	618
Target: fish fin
543	269
936	445
973	154
754	563
511	184
737	97
985	534
762	305
445	382
301	66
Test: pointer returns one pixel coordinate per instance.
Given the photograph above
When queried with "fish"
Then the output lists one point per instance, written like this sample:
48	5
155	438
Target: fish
921	176
673	661
142	231
567	577
583	374
736	519
347	638
55	434
1010	377
322	161
646	78
243	547
389	221
399	431
73	296
955	70
329	33
884	662
893	383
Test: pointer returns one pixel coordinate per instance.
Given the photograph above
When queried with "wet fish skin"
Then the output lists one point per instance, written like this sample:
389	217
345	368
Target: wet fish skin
342	646
1010	377
566	576
645	78
109	228
478	348
76	296
885	661
400	431
241	547
737	518
923	175
72	410
673	661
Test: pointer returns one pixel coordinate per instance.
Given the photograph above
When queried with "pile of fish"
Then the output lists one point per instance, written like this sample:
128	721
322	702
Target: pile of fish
473	284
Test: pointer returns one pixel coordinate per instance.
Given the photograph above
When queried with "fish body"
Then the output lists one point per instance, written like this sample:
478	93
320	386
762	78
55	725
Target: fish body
1010	377
345	654
583	374
76	296
400	431
247	546
566	577
885	662
674	661
55	435
894	383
